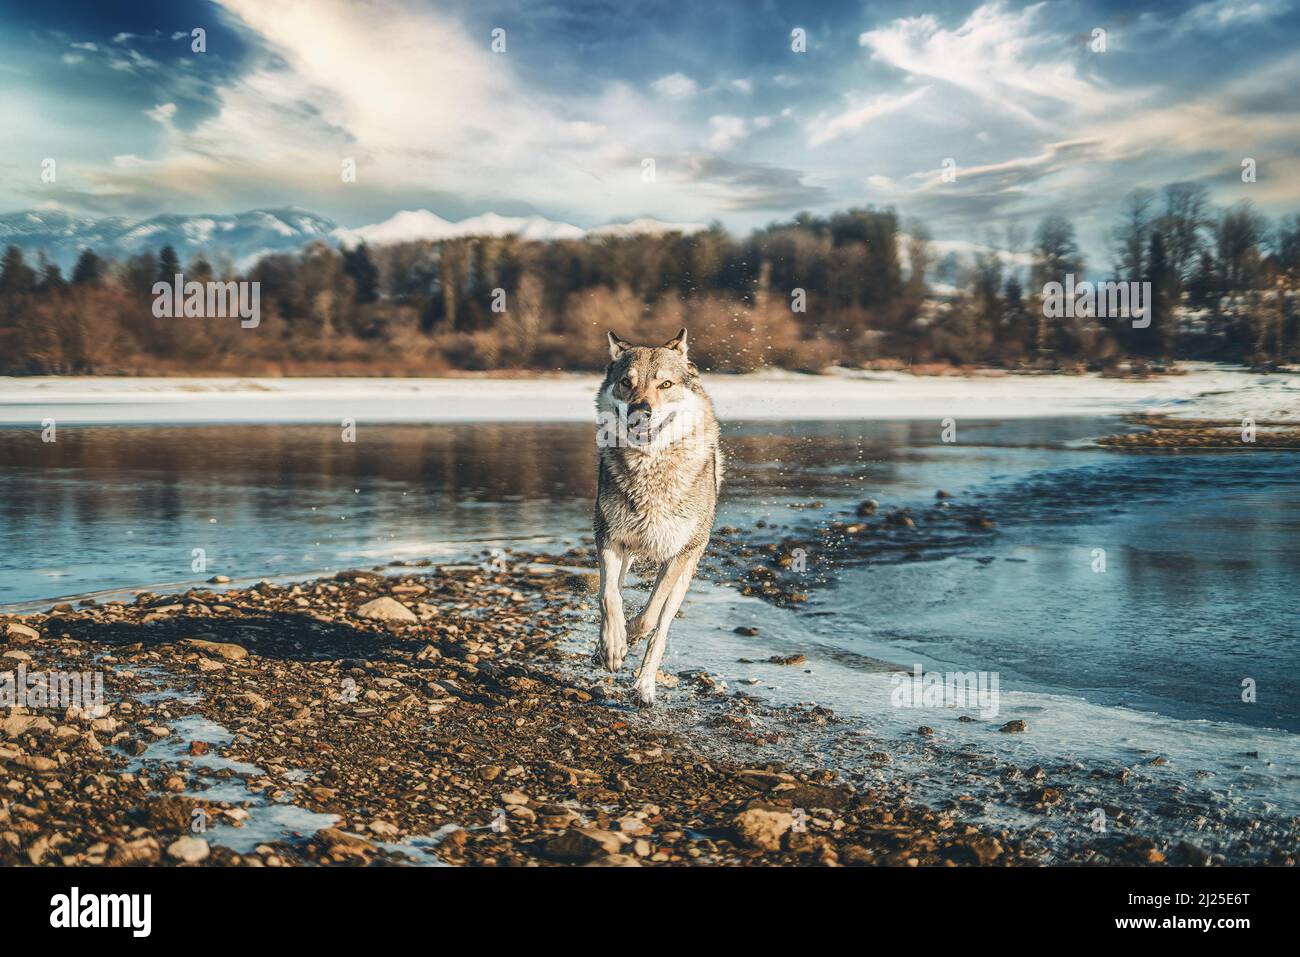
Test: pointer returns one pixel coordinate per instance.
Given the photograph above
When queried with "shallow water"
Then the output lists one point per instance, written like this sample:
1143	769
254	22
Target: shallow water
1201	551
1201	554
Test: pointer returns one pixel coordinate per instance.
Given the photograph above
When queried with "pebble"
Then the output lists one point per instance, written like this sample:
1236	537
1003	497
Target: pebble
763	828
386	609
189	850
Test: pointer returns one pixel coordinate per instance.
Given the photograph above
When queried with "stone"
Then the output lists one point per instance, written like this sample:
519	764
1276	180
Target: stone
982	849
339	840
583	844
37	763
787	659
1189	853
15	630
386	609
762	828
855	855
1014	727
134	853
16	725
614	860
189	850
221	649
831	797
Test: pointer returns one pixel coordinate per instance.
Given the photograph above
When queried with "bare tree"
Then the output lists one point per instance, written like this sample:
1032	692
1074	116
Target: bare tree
1132	233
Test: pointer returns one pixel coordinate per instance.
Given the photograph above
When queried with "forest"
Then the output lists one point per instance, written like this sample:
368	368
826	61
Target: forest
858	288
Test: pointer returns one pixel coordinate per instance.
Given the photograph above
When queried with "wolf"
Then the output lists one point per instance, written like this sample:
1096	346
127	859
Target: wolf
659	472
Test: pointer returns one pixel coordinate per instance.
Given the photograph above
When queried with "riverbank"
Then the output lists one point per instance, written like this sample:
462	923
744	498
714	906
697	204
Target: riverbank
1167	433
1198	389
427	717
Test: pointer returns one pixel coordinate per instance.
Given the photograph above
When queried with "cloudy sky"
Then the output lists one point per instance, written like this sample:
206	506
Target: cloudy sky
740	126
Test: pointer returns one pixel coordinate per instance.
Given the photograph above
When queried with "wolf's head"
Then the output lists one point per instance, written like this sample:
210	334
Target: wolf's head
652	386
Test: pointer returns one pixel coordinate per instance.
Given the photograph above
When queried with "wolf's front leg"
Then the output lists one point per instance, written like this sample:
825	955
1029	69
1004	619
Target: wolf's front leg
613	632
670	590
642	624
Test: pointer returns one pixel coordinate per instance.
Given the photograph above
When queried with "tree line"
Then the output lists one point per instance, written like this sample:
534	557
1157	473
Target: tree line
855	288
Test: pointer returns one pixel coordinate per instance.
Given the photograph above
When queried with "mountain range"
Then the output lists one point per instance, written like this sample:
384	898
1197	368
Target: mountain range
246	237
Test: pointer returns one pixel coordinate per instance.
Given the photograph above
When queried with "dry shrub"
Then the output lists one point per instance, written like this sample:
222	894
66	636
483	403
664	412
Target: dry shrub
727	336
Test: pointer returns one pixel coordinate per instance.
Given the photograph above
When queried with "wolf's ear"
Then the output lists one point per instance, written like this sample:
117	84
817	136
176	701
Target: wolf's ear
677	342
617	344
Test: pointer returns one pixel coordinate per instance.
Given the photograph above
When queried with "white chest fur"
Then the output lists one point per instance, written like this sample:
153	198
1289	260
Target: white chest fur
655	507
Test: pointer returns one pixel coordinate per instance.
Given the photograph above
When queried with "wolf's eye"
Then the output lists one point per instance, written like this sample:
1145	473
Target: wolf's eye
627	382
666	384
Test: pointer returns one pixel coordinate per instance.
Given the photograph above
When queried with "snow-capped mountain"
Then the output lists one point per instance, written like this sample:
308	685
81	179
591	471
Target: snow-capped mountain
246	237
646	226
419	224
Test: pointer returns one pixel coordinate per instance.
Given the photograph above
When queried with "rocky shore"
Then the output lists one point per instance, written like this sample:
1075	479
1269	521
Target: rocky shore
369	719
1163	433
421	716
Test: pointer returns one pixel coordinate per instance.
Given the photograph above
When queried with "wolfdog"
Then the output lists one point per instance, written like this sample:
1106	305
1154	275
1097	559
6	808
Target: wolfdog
660	469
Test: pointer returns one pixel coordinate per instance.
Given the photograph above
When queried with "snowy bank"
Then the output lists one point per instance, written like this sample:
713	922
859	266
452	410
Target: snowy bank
1205	391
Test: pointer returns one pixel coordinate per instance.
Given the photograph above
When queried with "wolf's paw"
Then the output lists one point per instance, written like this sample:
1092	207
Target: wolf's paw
610	654
643	693
636	632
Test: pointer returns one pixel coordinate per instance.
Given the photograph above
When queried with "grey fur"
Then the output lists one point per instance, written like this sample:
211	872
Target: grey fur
656	492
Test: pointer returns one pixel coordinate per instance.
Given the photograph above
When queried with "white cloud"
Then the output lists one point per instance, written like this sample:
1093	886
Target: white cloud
827	128
134	60
131	161
727	131
1006	58
675	86
584	132
1014	172
1225	13
742	86
339	80
162	113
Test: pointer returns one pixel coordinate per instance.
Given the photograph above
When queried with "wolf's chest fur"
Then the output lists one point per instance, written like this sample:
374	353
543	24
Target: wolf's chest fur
655	505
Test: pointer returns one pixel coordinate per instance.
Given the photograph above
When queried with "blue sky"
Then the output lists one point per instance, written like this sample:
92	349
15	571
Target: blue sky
741	127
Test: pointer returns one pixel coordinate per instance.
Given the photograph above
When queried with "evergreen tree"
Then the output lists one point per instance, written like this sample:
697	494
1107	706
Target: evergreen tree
89	269
16	277
169	265
359	266
51	277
